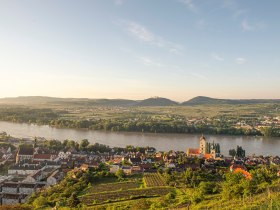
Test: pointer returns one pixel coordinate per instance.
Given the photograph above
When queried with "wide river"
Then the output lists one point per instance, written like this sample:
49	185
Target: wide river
162	142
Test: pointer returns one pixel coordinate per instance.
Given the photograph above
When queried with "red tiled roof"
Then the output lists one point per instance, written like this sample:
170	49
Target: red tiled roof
42	156
25	151
207	156
194	151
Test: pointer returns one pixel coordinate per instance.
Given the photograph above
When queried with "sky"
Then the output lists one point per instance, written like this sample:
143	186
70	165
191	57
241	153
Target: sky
137	49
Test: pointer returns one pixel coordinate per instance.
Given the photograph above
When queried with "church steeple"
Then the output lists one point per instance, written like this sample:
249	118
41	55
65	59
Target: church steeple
202	145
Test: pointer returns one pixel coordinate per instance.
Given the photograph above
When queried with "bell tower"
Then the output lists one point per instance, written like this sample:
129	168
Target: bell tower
202	145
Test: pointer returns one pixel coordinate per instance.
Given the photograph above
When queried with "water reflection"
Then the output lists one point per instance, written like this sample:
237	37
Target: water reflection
164	142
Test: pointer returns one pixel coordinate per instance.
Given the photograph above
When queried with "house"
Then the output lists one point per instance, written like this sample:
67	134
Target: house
44	157
84	167
150	151
170	165
146	167
64	155
27	188
9	187
24	153
233	167
55	177
135	161
23	169
117	160
9	199
193	152
136	170
36	177
114	168
127	170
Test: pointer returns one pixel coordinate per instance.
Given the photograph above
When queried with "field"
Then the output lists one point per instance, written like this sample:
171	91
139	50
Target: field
150	185
103	197
113	187
153	180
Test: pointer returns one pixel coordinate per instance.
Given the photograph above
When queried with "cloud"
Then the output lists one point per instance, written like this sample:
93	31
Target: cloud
199	76
149	62
252	27
190	5
140	32
240	60
217	57
143	34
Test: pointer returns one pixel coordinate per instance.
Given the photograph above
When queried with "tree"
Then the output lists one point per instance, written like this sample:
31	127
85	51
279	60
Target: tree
84	144
232	152
267	131
70	144
40	202
120	174
240	152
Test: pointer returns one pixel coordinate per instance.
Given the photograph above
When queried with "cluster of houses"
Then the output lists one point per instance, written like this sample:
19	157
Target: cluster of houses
35	168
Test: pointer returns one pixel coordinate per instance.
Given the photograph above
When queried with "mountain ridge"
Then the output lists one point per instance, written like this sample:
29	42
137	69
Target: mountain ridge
152	101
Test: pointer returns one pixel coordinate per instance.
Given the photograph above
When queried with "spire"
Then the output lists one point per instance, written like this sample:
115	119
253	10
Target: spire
202	137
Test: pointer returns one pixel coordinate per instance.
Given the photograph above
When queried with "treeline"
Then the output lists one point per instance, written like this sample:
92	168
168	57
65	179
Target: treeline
83	145
149	125
27	115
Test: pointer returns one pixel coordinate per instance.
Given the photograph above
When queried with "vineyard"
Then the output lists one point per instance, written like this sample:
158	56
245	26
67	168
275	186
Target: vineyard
112	187
104	197
153	180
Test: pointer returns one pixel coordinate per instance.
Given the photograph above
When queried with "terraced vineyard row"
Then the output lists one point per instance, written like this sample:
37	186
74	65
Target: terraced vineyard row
124	195
153	180
112	187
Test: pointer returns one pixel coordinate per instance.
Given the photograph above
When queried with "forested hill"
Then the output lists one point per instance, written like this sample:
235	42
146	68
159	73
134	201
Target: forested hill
155	101
37	100
203	100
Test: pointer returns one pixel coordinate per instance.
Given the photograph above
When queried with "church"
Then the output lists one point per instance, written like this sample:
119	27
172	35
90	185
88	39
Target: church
202	150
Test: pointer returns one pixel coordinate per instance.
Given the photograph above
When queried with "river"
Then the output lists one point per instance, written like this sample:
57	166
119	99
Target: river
162	142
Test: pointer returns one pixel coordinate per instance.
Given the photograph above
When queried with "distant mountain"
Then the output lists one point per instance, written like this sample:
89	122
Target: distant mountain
203	100
156	101
35	100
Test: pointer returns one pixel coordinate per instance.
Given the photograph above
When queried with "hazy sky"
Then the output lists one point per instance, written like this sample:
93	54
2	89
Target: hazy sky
140	48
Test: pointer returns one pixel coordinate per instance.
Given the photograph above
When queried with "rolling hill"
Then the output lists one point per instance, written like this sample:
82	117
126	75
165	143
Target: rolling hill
155	101
203	100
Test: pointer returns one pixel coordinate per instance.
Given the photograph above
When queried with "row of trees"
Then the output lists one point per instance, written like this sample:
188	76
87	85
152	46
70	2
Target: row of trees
213	145
238	152
85	145
54	118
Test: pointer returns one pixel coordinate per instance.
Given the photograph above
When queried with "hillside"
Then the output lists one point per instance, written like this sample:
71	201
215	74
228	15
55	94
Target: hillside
157	101
203	100
35	100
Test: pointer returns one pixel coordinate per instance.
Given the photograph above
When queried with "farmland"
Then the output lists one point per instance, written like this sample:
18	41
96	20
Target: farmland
153	180
114	191
104	197
119	186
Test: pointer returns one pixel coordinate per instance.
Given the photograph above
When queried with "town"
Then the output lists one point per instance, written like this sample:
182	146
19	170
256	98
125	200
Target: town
29	166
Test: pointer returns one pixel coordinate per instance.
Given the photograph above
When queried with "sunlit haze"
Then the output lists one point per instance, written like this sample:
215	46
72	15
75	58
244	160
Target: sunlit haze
135	49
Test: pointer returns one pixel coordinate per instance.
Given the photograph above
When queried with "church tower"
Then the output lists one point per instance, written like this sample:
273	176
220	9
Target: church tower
202	145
